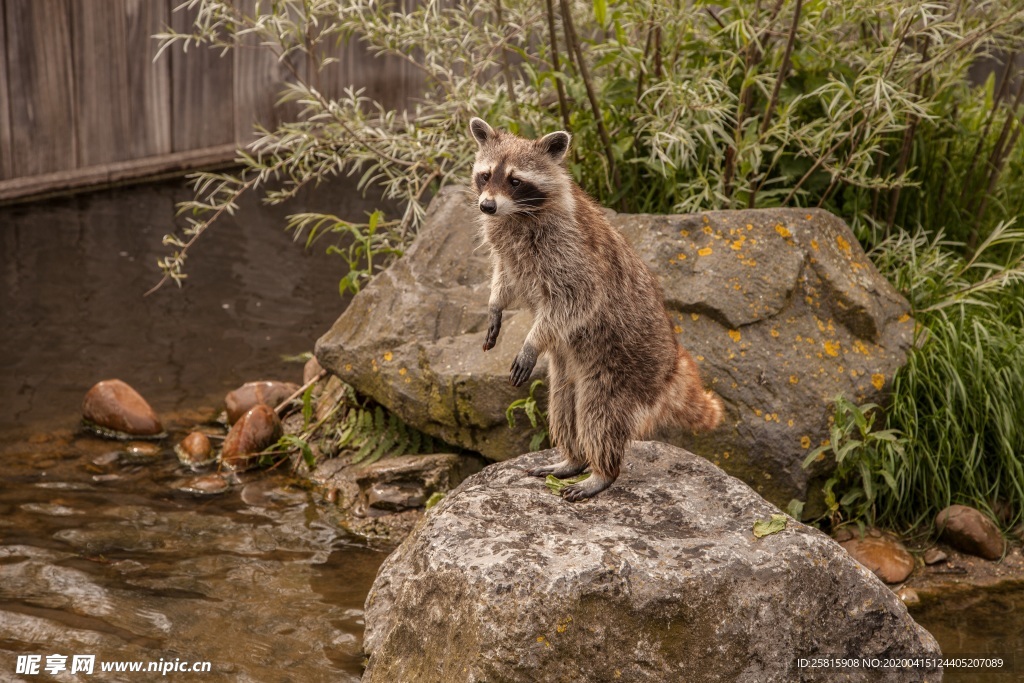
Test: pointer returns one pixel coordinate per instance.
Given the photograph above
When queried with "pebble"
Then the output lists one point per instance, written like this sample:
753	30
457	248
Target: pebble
970	531
107	459
195	450
271	493
934	556
251	394
112	408
140	452
311	370
882	554
909	596
254	431
207	485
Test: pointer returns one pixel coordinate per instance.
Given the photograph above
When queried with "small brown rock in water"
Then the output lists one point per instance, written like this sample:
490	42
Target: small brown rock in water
209	484
909	596
311	370
140	452
195	450
969	531
254	431
882	554
934	556
118	410
251	394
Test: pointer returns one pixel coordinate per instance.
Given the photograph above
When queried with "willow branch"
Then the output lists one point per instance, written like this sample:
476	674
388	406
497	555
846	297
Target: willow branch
573	40
563	106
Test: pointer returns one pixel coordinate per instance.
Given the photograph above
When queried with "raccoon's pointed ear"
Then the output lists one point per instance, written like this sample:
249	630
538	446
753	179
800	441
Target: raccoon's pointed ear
480	130
555	144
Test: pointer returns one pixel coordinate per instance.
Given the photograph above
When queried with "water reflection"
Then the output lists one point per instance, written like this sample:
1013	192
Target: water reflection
72	275
128	568
109	559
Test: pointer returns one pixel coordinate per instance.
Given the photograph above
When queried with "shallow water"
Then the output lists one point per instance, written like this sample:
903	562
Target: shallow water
984	624
110	559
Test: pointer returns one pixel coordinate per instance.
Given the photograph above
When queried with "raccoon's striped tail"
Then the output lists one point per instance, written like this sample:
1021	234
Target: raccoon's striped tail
686	403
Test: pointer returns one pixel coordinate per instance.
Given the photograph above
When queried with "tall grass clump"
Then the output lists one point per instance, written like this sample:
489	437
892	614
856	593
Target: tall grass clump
959	401
862	107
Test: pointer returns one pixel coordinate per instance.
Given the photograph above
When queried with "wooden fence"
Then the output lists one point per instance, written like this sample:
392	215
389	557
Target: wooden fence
83	103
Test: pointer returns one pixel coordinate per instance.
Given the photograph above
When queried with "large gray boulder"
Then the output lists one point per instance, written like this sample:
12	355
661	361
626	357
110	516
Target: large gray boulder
659	578
780	307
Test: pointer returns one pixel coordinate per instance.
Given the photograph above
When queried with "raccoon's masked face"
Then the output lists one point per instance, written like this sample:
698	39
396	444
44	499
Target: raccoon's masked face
513	175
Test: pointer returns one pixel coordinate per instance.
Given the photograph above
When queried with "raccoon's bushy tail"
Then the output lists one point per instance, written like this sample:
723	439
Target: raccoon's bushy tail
686	403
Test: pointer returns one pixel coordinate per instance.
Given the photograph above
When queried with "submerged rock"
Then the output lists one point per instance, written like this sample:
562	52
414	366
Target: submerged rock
781	309
251	394
139	452
112	408
406	482
255	430
207	485
970	531
659	578
195	450
881	553
385	499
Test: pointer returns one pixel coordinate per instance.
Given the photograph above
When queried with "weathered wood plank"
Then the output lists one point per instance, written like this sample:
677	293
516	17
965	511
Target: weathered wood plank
102	124
61	182
6	159
258	79
42	116
202	93
149	82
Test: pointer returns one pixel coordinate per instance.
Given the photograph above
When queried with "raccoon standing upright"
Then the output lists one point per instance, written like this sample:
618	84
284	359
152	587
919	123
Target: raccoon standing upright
616	371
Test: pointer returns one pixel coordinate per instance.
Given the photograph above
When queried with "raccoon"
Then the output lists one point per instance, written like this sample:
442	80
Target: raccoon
616	371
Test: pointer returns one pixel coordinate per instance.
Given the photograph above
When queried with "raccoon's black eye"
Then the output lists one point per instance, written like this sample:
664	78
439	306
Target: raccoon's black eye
485	176
514	182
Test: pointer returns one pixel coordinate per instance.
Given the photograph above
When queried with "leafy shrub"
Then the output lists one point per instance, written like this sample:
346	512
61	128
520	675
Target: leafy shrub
867	460
536	415
862	107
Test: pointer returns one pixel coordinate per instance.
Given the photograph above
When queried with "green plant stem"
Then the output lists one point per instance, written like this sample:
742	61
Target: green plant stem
572	40
563	106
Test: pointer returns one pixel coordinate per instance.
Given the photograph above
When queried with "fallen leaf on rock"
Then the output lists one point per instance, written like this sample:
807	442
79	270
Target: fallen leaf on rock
556	485
774	525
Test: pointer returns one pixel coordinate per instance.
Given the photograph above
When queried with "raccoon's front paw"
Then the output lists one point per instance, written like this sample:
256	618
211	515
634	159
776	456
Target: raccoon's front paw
494	327
522	366
492	332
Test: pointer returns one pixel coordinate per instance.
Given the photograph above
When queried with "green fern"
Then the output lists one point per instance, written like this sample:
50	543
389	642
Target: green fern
373	433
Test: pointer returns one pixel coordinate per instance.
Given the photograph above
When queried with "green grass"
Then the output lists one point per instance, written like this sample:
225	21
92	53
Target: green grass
959	401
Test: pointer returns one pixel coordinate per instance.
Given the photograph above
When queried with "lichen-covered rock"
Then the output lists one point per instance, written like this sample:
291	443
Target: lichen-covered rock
780	307
659	578
113	408
239	401
970	531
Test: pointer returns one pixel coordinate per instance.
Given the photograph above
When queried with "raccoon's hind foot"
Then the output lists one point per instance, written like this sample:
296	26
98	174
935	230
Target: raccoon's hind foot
588	488
563	469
